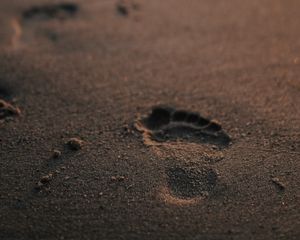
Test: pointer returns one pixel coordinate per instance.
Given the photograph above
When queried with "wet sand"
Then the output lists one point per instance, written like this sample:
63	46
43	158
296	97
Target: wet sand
149	119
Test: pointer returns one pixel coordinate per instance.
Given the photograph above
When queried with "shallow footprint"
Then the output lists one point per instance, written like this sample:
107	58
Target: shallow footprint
168	124
39	22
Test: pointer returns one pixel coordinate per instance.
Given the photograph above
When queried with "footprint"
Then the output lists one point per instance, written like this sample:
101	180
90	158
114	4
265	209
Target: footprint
34	25
191	182
165	124
52	11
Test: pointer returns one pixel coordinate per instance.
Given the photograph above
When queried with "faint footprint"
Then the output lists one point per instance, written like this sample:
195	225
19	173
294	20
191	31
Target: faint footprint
165	124
27	27
51	11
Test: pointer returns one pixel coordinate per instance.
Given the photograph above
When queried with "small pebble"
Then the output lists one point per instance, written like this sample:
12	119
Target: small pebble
46	179
118	178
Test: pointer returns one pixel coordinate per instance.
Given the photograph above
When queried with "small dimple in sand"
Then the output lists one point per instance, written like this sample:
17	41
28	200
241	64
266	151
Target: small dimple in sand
125	7
75	144
44	180
56	153
122	9
278	184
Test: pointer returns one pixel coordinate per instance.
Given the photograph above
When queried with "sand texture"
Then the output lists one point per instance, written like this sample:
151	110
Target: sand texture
161	119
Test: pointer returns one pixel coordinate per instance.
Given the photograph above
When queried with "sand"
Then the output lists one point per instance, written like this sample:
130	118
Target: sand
149	119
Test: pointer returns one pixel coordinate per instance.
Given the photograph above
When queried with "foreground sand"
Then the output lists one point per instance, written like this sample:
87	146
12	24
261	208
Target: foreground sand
83	157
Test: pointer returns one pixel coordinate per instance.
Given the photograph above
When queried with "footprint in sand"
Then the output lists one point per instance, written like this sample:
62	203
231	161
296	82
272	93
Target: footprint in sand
165	124
38	21
172	132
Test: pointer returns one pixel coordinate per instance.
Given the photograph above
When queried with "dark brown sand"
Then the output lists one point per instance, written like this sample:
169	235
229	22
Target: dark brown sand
218	159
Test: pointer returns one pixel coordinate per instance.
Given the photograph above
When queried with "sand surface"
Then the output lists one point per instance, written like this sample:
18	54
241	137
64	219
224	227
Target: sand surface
149	119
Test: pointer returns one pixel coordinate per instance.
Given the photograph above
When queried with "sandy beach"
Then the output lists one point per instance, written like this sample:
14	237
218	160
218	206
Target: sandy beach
149	119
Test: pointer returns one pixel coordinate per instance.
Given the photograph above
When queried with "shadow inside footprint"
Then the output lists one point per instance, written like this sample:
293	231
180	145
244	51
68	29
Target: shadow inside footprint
168	124
189	182
51	11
